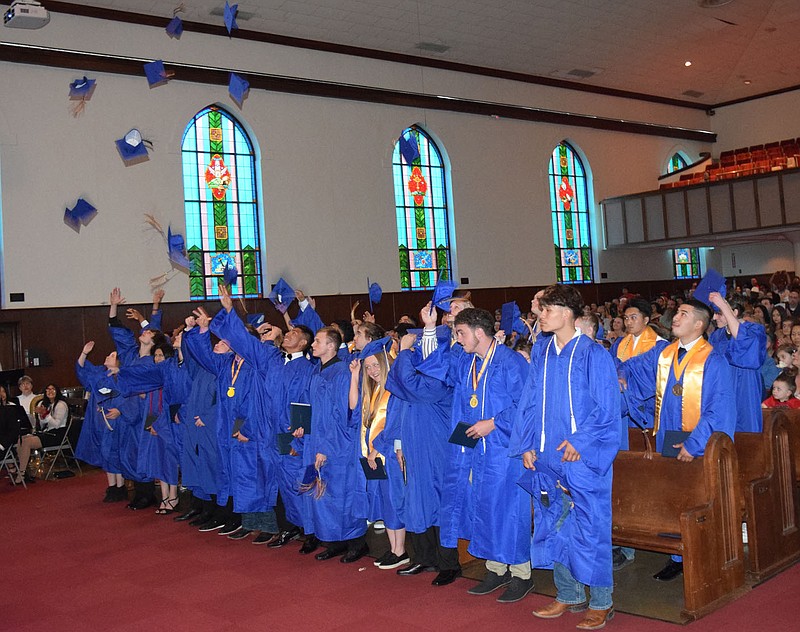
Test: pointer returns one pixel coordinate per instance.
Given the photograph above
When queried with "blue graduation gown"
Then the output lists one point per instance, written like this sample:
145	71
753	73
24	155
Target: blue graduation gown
340	514
419	416
97	444
253	464
309	318
481	501
289	383
130	426
717	404
199	455
745	354
583	544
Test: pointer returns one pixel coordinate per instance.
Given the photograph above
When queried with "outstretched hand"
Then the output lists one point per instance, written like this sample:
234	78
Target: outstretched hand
116	298
87	348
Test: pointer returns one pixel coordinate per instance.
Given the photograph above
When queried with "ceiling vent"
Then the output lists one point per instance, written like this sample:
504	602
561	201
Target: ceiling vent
576	73
713	4
581	74
693	93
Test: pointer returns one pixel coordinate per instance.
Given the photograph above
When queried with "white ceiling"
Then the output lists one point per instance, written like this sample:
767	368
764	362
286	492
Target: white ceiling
634	45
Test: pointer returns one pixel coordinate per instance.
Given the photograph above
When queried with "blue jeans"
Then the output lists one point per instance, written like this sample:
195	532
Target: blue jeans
264	521
571	591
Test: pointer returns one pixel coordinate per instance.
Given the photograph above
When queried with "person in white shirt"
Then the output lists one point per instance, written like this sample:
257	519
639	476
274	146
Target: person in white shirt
26	397
53	414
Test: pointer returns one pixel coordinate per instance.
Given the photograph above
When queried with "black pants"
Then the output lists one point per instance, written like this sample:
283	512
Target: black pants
352	545
280	514
428	551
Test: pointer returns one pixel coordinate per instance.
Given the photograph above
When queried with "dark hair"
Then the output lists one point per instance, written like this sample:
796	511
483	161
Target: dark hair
159	337
46	401
787	377
410	317
701	310
253	331
346	327
333	335
402	329
476	318
372	331
307	334
563	295
642	305
737	305
166	349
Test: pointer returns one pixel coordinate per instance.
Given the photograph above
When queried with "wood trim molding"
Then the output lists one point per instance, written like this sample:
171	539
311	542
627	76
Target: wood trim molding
98	62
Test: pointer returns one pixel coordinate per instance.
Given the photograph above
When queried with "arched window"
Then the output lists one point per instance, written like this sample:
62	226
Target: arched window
569	203
686	263
677	162
220	204
422	209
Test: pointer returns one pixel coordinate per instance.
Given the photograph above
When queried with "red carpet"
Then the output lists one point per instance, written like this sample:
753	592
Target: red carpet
73	563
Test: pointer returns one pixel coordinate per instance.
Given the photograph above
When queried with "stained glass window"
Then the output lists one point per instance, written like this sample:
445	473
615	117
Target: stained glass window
677	162
569	203
220	204
420	198
686	262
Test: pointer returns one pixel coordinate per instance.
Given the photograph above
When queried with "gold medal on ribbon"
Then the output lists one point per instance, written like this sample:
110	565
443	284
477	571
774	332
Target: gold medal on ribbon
473	401
677	389
237	363
231	391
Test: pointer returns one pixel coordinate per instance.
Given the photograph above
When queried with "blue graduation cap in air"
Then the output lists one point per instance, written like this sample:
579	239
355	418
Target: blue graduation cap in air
229	15
132	148
81	213
177	249
509	315
442	293
175	27
713	281
82	89
255	319
281	295
156	73
238	88
409	148
375	292
375	347
230	274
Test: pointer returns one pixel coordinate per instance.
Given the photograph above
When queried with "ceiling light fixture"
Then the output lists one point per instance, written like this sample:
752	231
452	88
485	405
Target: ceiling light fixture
687	63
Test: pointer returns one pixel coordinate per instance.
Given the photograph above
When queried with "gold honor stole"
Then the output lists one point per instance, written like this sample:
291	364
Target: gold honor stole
377	407
647	341
691	368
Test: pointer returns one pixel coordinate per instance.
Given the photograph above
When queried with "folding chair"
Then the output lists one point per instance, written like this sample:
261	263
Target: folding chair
9	461
64	450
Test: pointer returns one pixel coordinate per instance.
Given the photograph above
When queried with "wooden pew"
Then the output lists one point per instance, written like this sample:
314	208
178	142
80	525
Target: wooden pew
689	509
793	419
771	497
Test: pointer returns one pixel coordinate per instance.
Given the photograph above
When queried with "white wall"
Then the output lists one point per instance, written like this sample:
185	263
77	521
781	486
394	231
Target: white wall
326	169
748	259
755	122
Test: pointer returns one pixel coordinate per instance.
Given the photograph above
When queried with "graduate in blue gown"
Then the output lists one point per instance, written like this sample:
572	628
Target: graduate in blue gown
101	433
418	419
481	501
692	386
369	401
568	436
335	510
243	407
289	382
744	346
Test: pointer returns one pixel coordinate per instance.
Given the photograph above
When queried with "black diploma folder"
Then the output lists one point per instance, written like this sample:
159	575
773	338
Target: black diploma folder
300	416
459	436
376	474
671	437
285	442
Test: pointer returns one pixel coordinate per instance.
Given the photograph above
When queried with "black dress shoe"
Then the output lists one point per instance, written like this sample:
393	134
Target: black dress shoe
200	520
192	513
671	571
265	538
142	503
330	553
446	577
352	556
310	545
416	569
283	538
240	534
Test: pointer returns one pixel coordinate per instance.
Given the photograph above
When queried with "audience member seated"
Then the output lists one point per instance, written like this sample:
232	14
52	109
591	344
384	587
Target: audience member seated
26	397
52	413
783	392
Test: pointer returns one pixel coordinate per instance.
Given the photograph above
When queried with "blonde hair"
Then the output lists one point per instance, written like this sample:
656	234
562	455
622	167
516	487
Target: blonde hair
369	387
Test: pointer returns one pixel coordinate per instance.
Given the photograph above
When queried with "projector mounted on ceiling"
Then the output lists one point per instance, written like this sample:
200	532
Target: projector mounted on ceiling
26	14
